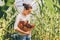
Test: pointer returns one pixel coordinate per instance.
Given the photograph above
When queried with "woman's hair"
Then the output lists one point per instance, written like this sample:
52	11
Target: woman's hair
27	6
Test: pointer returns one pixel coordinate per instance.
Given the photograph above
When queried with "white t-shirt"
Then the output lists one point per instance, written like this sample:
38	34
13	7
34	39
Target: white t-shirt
21	17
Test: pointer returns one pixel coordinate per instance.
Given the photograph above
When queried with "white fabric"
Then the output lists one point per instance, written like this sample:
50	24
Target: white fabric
20	17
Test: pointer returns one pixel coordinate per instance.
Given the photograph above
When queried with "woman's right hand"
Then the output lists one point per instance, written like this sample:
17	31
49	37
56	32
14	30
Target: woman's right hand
28	32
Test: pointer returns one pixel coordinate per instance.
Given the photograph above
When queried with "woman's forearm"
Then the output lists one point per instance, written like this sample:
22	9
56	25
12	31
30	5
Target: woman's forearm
23	32
19	30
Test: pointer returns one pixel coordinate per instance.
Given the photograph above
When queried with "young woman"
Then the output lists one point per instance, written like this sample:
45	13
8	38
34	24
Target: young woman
24	16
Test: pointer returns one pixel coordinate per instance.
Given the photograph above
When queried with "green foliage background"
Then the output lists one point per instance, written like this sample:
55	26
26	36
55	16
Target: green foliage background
47	21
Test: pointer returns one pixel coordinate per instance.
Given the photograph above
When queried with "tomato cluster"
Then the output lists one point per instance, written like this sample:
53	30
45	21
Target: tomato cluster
25	26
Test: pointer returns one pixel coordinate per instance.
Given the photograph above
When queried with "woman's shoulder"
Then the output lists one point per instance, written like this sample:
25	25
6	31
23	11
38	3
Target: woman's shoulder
18	16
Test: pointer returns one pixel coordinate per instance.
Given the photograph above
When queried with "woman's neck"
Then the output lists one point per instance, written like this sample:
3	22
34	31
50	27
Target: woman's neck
24	14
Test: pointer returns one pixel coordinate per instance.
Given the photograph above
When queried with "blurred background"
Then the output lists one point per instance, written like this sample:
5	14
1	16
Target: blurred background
46	15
